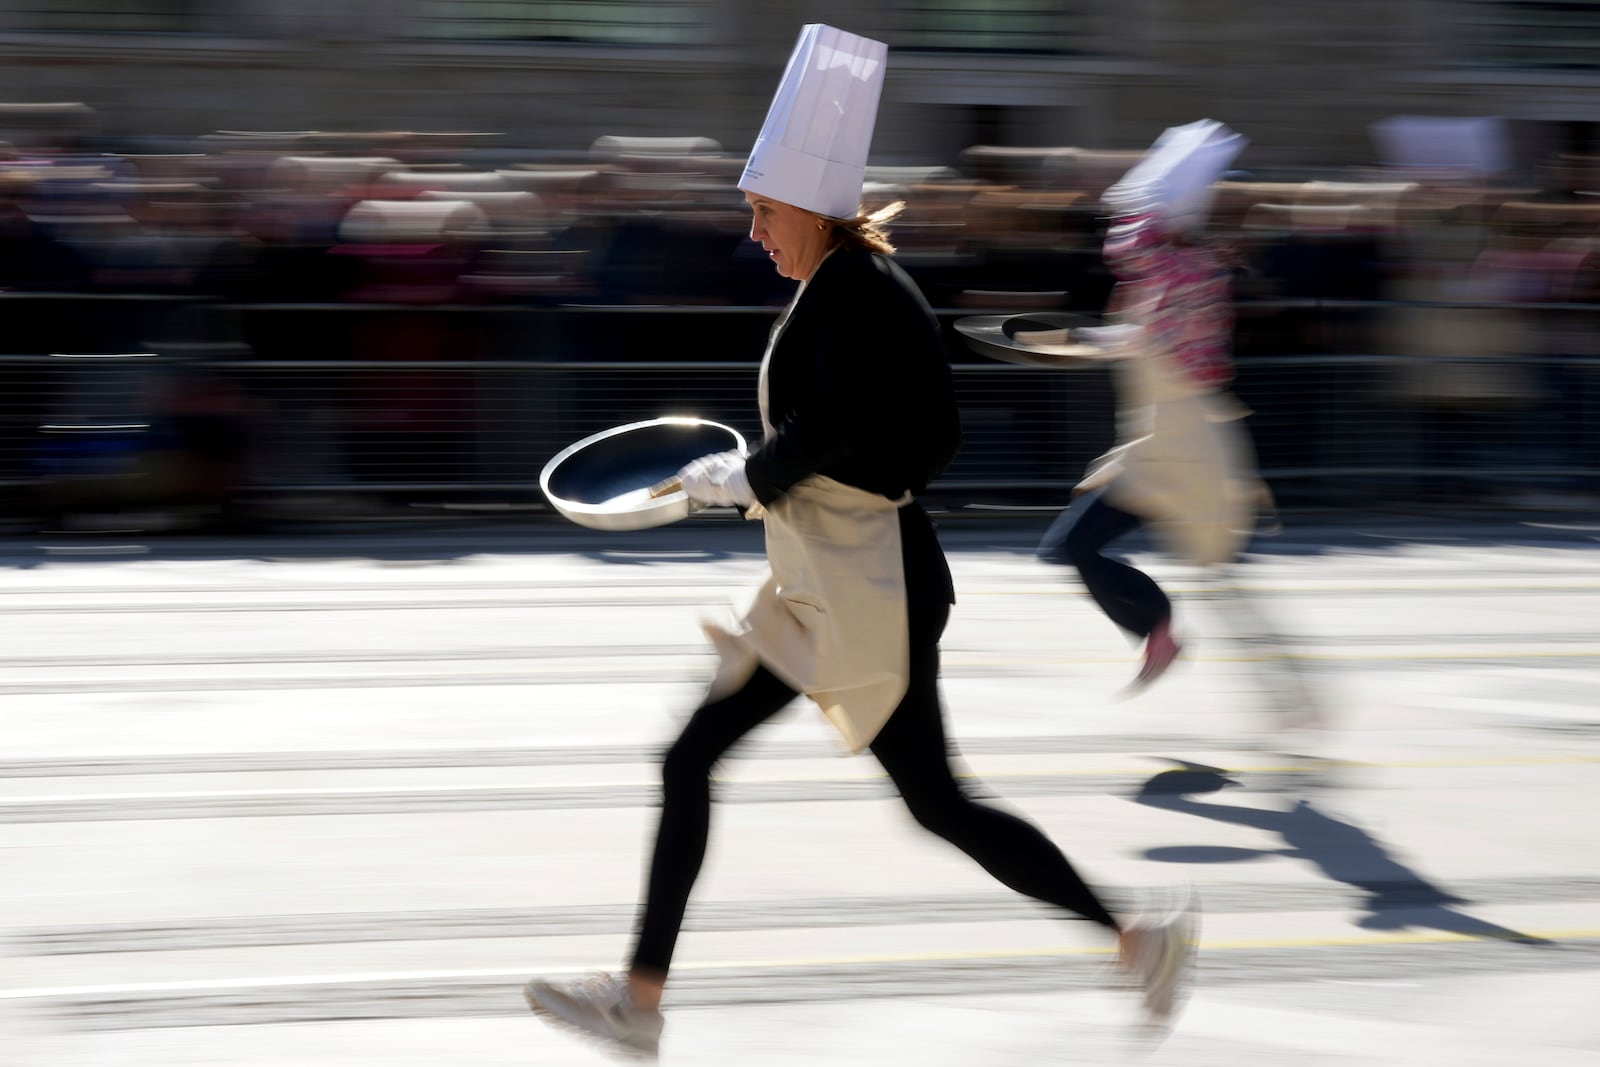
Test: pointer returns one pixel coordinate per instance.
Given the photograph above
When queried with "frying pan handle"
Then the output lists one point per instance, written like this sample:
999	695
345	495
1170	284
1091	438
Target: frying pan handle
663	488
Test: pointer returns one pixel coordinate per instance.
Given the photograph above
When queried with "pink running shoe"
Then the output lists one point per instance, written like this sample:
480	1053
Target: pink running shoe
1160	649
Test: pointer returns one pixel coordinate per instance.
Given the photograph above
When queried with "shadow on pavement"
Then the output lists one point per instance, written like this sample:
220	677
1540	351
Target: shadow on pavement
1396	897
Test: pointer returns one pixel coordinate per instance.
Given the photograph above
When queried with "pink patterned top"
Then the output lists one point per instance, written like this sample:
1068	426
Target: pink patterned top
1181	292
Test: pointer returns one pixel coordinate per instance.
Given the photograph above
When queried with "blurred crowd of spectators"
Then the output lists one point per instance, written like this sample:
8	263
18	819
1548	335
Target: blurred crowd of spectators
441	218
1474	268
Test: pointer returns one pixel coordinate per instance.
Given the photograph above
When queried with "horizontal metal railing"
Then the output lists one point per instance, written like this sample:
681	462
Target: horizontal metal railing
1285	303
1332	428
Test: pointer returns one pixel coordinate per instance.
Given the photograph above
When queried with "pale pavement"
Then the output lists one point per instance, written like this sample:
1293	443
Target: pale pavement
328	801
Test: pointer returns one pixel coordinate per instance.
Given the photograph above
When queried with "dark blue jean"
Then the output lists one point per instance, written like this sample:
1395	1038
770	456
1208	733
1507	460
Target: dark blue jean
1128	596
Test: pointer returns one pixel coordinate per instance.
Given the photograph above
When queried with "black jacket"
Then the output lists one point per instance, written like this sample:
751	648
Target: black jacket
858	385
859	390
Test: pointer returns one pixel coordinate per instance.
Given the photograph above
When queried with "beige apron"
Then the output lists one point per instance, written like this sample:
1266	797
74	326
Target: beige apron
1184	462
830	618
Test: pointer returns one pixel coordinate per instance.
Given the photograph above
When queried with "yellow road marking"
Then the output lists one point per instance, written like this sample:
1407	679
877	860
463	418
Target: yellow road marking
357	792
1268	768
1442	586
1233	945
204	985
1478	653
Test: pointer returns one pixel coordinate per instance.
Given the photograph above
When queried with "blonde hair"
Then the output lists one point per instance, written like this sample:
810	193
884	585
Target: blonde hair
865	231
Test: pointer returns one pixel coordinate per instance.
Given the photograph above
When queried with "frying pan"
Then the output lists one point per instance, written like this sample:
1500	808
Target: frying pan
625	478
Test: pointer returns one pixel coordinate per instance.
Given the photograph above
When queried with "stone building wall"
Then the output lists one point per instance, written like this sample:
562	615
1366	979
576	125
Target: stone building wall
1303	78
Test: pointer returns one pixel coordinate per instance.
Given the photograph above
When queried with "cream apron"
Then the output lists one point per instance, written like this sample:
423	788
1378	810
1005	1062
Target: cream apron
1184	462
830	618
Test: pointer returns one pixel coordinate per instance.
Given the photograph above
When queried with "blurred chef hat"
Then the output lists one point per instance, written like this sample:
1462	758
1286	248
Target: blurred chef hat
812	150
1176	177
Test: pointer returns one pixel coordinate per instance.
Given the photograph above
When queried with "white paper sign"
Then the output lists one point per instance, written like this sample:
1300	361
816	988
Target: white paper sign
1463	144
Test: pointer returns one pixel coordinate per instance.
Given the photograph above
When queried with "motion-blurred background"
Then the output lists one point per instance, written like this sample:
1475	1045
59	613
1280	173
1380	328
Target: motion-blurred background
283	261
333	279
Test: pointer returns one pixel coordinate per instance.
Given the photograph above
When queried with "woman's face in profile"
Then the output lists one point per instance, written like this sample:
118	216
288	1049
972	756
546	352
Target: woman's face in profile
790	236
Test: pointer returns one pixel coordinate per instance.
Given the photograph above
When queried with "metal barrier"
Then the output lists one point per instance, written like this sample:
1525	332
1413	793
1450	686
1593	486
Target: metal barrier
490	426
1331	430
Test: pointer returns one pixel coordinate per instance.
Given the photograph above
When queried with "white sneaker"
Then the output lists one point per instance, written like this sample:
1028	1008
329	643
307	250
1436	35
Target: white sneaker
1166	959
599	1006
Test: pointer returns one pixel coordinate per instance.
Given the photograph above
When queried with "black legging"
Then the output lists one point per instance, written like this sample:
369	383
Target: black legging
911	747
1128	596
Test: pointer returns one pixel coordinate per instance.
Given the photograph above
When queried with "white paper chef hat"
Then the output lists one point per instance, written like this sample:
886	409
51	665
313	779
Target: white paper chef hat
812	151
1176	176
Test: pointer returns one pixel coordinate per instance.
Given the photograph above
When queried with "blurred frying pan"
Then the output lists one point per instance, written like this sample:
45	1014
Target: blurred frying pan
624	478
1037	338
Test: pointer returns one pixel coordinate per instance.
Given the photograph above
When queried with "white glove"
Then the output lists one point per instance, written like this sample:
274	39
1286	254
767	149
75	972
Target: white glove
1113	336
717	480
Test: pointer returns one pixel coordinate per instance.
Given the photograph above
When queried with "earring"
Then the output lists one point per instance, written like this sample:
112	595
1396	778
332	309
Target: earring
822	225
